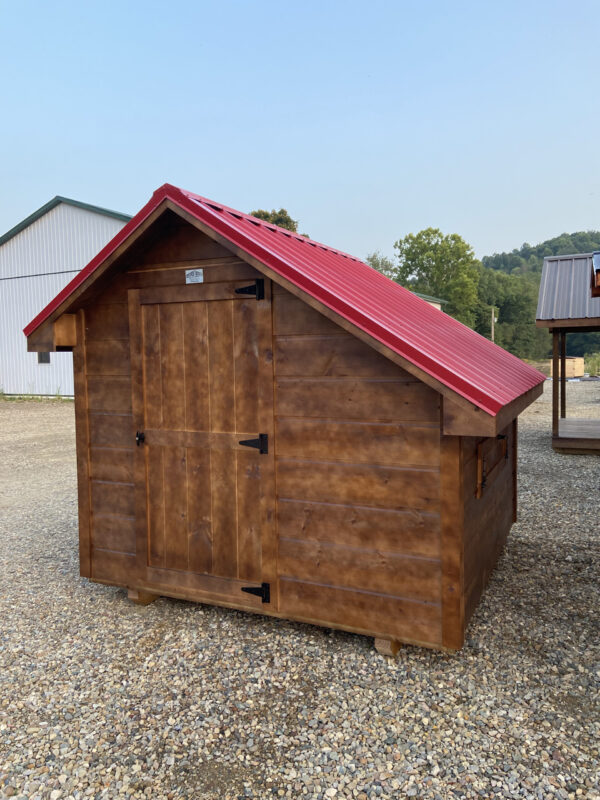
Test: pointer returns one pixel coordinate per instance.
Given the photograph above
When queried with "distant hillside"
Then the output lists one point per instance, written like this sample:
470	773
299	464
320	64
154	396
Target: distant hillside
529	258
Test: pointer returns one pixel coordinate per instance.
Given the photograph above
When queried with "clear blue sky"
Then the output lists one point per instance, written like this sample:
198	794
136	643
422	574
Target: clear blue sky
366	120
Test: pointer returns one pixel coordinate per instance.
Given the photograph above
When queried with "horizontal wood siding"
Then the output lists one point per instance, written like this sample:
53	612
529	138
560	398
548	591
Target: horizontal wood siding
488	519
357	450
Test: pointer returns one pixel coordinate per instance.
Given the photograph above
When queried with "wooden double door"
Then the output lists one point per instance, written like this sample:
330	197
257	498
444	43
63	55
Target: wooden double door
202	386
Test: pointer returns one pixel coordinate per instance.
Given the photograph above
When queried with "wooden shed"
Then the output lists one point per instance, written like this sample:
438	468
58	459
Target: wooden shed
567	305
266	423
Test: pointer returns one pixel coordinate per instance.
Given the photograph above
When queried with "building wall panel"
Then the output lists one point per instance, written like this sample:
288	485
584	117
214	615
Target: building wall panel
34	266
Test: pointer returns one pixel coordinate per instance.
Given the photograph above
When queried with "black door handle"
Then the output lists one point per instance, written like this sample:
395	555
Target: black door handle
140	437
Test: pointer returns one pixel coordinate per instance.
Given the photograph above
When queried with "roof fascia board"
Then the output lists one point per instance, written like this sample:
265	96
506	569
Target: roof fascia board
581	322
425	377
25	223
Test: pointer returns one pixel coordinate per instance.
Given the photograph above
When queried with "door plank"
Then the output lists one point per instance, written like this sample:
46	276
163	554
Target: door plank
172	367
195	359
221	376
175	502
224	513
156	506
199	510
249	528
152	388
245	360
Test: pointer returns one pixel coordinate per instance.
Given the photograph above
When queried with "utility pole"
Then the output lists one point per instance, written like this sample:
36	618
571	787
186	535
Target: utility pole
494	320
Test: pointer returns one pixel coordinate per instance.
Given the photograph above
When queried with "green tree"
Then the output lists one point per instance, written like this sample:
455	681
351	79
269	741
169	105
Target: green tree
381	263
440	265
281	218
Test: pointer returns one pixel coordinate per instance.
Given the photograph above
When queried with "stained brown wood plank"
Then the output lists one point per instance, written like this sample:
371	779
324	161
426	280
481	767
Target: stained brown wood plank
114	532
112	498
348	398
181	242
265	389
111	430
357	441
245	364
452	512
195	359
107	321
249	522
205	588
199	510
111	567
172	366
293	316
175	504
360	568
108	357
82	441
224	513
199	439
221	377
120	285
334	355
514	464
371	613
211	264
235	271
42	339
151	384
65	331
109	393
152	543
192	293
361	484
415	533
111	464
140	454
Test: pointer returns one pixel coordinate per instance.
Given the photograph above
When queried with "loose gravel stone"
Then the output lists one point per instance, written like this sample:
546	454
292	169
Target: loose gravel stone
103	699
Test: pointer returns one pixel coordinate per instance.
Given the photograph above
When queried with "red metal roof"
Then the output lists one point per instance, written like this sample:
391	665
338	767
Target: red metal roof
452	353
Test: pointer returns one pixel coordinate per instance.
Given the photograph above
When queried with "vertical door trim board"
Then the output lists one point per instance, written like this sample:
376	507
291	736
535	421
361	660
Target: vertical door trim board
266	405
515	459
140	472
82	441
452	524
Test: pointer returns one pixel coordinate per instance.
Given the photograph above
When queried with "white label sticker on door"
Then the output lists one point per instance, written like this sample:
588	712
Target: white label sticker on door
194	276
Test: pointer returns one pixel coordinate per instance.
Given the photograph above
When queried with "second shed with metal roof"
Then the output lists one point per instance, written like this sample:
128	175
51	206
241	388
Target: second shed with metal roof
566	305
267	423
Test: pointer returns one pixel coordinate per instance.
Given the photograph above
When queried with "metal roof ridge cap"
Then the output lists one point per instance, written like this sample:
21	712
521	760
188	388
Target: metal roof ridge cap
266	225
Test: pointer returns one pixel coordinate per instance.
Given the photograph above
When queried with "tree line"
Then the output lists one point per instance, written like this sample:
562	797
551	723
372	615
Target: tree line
503	285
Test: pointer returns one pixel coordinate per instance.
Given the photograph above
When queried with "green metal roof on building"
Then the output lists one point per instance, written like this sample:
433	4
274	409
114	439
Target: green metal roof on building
52	204
430	299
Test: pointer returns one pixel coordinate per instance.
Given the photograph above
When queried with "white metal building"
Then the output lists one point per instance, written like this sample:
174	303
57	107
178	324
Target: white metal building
38	257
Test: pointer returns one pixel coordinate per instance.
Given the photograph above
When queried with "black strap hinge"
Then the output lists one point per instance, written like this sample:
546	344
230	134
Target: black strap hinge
261	444
263	591
257	288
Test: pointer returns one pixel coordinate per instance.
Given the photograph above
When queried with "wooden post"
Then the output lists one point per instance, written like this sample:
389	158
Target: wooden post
387	647
141	598
452	508
563	374
555	335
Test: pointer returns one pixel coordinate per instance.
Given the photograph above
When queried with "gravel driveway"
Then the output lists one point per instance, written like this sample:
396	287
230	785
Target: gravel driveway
100	698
